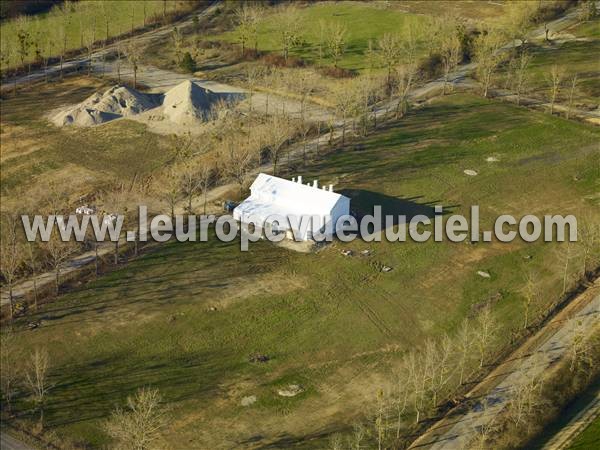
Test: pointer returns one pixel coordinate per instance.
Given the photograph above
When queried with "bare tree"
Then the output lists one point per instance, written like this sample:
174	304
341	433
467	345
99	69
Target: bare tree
344	104
554	79
177	39
24	39
449	46
530	295
139	425
238	158
589	241
524	400
389	49
11	255
484	431
464	346
380	413
279	133
58	252
357	437
62	20
37	379
518	18
336	41
245	24
579	346
418	381
289	28
520	74
566	254
487	57
134	54
572	88
484	332
10	369
32	261
401	397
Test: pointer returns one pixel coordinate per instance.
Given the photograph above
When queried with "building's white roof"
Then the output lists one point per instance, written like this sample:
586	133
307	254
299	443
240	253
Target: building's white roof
272	195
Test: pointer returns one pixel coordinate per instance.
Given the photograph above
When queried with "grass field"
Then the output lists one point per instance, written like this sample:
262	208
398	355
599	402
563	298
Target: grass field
336	325
35	152
90	16
573	57
363	22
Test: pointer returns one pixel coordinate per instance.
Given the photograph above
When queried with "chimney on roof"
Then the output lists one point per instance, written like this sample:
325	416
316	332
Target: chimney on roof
331	188
300	179
316	184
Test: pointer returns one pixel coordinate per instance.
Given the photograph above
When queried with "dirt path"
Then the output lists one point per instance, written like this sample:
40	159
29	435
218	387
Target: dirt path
569	432
458	429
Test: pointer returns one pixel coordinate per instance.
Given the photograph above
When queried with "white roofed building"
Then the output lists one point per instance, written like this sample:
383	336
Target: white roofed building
272	198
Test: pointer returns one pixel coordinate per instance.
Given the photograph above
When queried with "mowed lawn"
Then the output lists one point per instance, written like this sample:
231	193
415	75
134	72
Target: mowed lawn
35	152
187	317
362	20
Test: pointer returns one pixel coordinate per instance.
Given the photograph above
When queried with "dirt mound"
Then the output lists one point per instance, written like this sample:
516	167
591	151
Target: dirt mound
118	101
187	102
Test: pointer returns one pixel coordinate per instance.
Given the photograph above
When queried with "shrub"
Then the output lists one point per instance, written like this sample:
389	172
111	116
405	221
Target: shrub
187	63
431	67
337	72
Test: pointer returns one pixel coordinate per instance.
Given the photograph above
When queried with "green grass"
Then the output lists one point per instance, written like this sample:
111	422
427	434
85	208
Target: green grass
588	438
334	324
364	22
89	16
574	57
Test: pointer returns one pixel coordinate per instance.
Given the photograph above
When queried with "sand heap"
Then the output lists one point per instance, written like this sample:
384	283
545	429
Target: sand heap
118	101
187	103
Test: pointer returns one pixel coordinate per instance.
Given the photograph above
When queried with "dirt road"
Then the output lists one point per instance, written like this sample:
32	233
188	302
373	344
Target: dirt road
458	429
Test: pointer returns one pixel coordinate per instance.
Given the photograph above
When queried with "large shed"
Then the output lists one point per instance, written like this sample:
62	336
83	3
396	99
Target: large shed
271	196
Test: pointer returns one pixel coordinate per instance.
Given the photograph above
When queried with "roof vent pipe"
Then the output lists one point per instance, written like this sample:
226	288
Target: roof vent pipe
315	183
293	179
331	188
300	179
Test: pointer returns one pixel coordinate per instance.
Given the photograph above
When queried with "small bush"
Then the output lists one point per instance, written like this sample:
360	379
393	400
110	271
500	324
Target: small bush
337	72
187	63
431	67
277	60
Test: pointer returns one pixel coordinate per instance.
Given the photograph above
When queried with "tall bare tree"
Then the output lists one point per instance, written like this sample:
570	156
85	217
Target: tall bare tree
37	379
389	47
554	79
520	74
336	41
279	133
58	253
289	28
464	345
530	296
487	56
572	87
10	366
134	55
449	46
139	425
484	332
11	254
